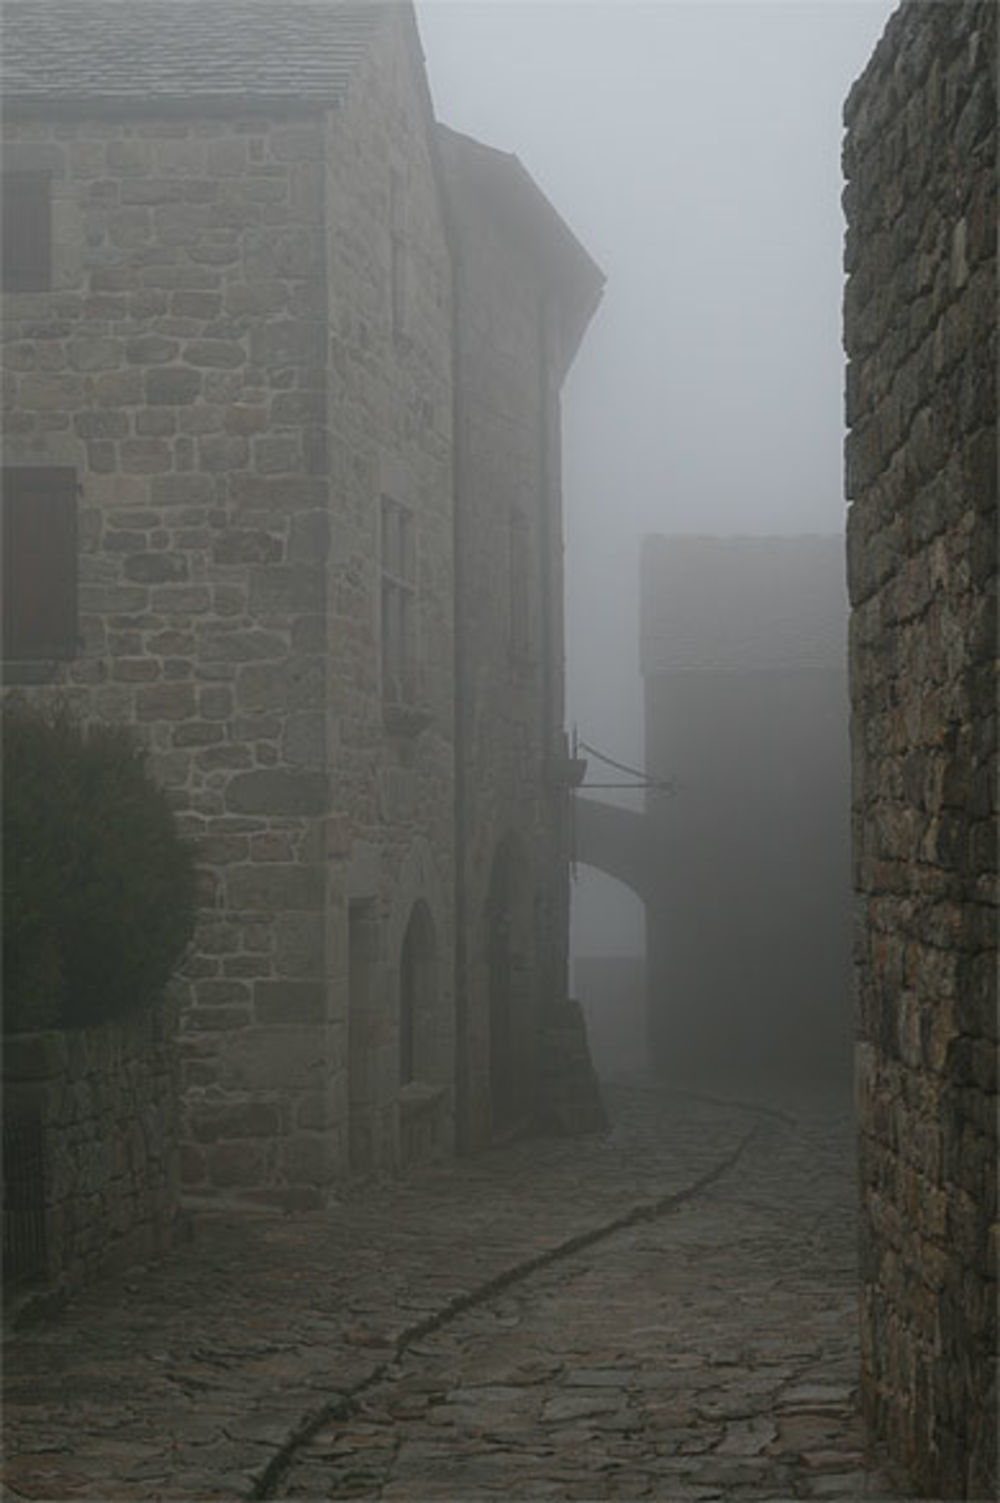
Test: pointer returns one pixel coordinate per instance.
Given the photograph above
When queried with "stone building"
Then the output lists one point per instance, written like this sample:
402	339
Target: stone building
743	657
233	510
525	290
920	334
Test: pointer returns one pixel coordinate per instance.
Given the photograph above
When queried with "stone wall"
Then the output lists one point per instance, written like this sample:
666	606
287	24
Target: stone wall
920	333
390	844
90	1147
219	363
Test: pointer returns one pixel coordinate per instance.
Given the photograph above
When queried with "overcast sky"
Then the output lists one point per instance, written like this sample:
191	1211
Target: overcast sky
694	148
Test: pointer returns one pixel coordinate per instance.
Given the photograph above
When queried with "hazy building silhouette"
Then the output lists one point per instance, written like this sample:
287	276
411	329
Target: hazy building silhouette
743	657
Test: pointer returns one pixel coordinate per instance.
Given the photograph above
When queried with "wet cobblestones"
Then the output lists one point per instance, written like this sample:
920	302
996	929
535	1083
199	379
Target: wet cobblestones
707	1350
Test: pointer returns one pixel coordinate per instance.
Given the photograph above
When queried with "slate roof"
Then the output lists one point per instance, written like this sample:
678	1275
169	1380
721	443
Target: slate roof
742	604
151	51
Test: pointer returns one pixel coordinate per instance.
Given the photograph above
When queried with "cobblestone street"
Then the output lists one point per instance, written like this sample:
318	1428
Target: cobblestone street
484	1331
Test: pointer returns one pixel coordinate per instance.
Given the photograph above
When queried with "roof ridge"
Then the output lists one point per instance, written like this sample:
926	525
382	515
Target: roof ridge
89	50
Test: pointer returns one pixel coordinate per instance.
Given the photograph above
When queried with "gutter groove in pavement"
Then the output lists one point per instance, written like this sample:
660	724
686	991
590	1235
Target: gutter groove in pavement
339	1408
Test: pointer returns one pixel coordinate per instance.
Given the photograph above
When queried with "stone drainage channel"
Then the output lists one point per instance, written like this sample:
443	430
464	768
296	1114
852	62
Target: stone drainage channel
667	1310
348	1402
749	1392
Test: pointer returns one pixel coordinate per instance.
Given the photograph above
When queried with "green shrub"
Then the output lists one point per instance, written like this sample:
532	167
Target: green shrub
99	888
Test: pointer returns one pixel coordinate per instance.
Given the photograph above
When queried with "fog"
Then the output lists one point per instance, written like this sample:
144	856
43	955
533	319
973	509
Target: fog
695	150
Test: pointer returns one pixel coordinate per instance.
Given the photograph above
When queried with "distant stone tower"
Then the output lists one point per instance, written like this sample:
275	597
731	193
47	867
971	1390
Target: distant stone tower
743	656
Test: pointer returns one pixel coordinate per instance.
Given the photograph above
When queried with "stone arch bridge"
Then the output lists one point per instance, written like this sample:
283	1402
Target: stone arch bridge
619	842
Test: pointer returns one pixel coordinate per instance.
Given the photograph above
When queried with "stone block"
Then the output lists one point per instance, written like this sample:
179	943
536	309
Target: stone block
277	455
168	701
210	1121
215	703
172	385
309	538
98	423
289	251
117	389
288	341
222	452
215	354
292	589
274	887
146	456
247	546
288	1057
217	644
290	1001
94	353
277	792
151	349
112	600
49	393
299	408
304	739
182	490
296	685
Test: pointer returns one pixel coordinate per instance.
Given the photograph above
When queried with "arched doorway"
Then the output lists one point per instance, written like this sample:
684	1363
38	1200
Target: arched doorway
508	910
417	987
608	971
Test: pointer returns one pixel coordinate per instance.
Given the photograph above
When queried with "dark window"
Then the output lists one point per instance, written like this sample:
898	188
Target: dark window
417	997
519	578
39	563
26	222
397	254
399	576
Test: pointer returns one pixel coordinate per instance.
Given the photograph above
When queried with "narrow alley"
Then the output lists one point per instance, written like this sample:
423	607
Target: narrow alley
485	1331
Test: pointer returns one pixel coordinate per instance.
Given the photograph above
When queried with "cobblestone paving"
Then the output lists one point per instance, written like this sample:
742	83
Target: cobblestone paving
708	1351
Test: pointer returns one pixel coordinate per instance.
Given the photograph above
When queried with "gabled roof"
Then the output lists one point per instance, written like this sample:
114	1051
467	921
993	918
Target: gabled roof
742	604
480	177
153	52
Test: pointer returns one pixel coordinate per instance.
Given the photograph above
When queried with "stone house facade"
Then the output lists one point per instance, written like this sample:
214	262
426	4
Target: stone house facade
743	658
920	330
230	520
525	291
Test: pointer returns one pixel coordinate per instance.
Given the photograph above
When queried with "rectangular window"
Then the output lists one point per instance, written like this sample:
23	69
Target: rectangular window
397	254
399	580
519	587
26	226
39	563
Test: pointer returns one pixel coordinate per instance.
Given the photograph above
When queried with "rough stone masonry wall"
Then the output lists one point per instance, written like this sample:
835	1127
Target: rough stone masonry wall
101	1105
920	332
511	689
178	365
216	361
389	404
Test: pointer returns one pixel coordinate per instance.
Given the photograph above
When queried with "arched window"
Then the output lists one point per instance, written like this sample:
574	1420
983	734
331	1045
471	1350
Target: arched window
417	986
508	956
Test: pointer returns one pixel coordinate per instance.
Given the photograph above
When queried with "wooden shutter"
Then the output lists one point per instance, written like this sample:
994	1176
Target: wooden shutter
26	224
39	563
